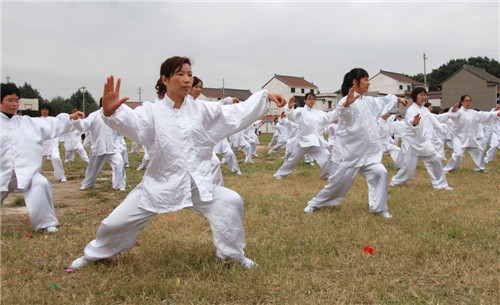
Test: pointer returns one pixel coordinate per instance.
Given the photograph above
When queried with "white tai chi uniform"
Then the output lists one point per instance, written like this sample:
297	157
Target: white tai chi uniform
50	151
105	146
180	143
386	140
280	129
72	144
21	140
274	139
466	136
417	144
494	141
237	141
357	150
311	122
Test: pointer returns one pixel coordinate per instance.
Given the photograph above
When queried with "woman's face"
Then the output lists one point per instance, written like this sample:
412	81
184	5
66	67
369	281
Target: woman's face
179	84
310	101
363	85
467	102
421	98
10	103
44	112
196	90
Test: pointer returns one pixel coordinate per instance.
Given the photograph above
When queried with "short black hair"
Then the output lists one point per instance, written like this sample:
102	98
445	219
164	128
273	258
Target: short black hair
8	89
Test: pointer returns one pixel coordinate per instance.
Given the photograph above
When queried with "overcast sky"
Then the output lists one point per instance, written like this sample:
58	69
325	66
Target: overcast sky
59	47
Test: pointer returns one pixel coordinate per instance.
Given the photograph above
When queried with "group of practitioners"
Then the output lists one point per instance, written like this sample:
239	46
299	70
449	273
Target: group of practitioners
183	134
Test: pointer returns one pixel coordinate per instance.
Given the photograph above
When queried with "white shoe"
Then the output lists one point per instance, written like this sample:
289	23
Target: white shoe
278	177
385	214
447	188
79	263
392	184
51	229
247	263
310	209
63	180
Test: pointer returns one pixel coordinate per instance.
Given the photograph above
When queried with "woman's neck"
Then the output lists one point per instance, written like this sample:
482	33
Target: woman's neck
177	99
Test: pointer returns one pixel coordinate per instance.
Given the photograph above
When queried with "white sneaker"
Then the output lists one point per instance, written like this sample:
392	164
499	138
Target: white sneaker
247	263
310	209
63	180
79	263
392	184
51	229
385	214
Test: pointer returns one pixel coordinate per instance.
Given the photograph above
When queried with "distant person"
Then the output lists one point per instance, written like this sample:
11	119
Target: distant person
466	137
357	148
73	144
51	148
21	157
421	128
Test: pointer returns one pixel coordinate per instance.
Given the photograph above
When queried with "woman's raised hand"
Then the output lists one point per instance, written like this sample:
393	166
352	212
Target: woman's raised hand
111	96
350	96
277	98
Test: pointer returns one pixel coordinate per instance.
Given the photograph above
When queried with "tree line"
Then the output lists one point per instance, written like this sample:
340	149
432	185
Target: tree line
434	80
59	104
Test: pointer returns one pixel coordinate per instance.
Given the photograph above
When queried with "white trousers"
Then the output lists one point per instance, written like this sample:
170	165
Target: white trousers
118	232
96	163
477	154
319	153
395	153
70	154
278	146
494	145
432	164
341	180
57	164
38	199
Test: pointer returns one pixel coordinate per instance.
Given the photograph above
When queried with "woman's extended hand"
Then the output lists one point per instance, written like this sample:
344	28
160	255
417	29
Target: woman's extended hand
111	96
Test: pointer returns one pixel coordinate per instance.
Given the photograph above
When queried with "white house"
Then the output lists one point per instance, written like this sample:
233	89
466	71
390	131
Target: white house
289	86
394	83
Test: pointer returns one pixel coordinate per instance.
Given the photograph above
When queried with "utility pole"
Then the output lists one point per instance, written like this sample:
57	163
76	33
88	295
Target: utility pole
223	95
83	98
140	92
425	74
7	78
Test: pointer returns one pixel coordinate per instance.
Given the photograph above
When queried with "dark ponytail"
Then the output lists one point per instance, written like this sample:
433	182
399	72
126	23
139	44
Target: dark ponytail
354	74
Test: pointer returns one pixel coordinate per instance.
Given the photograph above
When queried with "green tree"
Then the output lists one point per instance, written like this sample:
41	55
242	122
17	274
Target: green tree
437	76
29	92
76	100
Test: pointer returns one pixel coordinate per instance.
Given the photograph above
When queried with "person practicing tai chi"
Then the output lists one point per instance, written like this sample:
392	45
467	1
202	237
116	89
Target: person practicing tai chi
51	148
421	128
465	133
179	134
357	148
21	139
309	139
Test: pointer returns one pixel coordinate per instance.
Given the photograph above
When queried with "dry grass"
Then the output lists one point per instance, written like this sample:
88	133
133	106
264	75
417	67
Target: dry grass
440	248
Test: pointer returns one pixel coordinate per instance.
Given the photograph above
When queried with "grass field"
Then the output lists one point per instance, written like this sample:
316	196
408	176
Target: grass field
441	247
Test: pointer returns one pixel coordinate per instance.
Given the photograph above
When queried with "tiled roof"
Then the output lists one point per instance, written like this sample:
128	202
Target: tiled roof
241	94
482	73
402	78
293	81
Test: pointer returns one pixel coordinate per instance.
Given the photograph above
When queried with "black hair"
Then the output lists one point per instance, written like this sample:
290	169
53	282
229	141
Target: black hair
8	89
172	65
160	87
46	106
354	74
462	98
308	94
196	80
416	91
427	104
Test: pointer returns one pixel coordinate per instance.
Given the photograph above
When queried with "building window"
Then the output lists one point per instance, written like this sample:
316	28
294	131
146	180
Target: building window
311	91
302	90
400	87
329	104
293	90
408	87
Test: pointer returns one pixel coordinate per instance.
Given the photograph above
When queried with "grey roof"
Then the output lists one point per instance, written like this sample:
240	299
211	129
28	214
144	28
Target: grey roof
479	72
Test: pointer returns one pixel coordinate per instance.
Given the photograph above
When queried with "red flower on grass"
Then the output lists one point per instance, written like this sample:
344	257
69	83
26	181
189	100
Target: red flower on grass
369	250
296	194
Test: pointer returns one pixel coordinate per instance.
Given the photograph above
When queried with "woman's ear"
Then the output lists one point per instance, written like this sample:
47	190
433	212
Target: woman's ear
355	82
164	80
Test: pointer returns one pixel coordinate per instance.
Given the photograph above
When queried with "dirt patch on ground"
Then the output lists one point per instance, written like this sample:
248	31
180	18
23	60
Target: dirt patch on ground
67	197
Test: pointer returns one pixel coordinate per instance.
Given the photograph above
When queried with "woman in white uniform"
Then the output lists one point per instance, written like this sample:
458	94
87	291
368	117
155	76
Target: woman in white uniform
357	148
179	134
21	156
51	149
